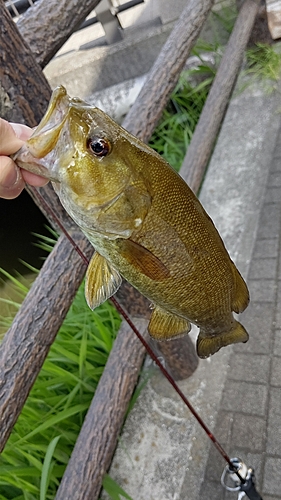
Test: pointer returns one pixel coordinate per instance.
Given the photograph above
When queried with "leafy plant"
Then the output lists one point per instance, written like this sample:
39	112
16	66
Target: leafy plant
175	129
113	489
225	18
39	447
264	61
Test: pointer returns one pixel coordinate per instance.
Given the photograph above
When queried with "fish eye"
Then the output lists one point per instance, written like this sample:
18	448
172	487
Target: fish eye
99	146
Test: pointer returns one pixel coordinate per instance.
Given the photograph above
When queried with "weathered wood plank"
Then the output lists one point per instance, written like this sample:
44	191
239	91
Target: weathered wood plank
97	440
207	128
25	94
164	74
48	24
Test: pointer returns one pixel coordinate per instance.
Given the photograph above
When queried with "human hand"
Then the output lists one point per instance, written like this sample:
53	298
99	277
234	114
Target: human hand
12	178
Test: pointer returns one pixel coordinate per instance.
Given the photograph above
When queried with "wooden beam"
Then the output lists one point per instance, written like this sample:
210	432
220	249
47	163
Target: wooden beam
97	440
204	137
165	72
48	24
24	90
25	94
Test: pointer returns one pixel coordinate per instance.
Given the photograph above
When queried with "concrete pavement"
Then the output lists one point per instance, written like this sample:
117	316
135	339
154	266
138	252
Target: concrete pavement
248	420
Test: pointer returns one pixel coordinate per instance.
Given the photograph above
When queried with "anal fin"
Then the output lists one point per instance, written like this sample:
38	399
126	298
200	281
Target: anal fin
102	281
165	326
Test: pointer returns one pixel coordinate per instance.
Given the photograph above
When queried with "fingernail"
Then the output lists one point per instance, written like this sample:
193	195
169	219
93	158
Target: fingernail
10	177
17	129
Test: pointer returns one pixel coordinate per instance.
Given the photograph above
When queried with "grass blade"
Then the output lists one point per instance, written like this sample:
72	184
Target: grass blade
113	489
47	466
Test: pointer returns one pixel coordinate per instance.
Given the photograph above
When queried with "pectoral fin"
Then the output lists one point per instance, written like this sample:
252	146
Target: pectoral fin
144	260
165	326
102	281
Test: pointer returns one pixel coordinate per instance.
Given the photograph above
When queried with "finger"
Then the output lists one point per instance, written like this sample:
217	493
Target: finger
9	142
33	179
11	181
22	131
12	136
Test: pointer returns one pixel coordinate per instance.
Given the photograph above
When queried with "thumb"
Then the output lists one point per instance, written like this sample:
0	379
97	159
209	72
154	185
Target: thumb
11	139
22	131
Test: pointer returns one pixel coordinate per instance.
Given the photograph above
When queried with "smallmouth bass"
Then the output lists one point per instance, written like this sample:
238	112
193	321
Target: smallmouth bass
144	222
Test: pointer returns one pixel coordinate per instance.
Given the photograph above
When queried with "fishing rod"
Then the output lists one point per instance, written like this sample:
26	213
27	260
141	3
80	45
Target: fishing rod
242	477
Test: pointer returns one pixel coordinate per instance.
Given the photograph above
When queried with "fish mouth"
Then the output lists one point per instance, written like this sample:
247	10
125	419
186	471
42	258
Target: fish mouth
36	154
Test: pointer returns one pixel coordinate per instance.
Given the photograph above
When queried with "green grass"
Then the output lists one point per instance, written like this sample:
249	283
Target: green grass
263	61
40	445
175	129
174	132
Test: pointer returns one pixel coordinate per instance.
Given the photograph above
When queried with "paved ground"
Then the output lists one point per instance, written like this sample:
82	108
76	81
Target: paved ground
163	454
248	421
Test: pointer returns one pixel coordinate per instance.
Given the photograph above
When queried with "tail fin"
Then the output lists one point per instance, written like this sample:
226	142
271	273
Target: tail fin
207	345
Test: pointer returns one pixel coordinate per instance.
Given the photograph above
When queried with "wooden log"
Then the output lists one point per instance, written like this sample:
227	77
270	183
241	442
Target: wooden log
97	440
260	32
204	137
179	356
25	94
27	343
48	24
24	90
164	74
